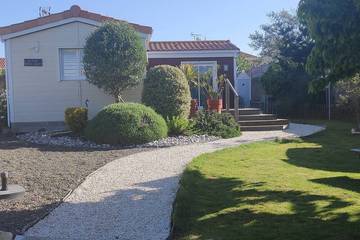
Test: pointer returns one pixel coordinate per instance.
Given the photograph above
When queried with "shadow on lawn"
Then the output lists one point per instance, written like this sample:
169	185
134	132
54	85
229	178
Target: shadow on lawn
223	208
332	151
343	182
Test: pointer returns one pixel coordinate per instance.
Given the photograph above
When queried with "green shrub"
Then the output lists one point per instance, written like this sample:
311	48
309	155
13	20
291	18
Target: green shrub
3	108
76	118
167	91
115	58
126	124
216	124
177	125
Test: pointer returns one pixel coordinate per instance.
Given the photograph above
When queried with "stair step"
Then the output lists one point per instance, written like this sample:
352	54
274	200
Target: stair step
257	117
264	128
263	122
246	111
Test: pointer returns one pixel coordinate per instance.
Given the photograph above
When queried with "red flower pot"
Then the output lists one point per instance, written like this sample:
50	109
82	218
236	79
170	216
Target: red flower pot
194	107
215	105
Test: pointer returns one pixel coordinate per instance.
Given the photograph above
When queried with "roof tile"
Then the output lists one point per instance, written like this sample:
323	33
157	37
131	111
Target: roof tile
2	63
206	45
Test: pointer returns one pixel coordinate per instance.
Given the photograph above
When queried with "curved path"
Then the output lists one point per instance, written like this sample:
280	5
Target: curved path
132	197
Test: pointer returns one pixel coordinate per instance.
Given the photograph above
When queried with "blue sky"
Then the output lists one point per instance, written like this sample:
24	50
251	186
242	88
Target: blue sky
171	20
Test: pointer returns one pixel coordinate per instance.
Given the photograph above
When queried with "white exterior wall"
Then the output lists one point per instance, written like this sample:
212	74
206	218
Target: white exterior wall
36	93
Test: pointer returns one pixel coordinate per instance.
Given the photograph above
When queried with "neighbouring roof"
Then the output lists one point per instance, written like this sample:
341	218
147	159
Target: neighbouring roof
248	55
2	63
170	46
75	11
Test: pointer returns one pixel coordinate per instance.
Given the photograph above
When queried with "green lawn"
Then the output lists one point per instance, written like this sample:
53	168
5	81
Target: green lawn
301	189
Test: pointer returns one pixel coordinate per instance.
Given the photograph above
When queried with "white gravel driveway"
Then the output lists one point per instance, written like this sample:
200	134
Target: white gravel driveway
132	197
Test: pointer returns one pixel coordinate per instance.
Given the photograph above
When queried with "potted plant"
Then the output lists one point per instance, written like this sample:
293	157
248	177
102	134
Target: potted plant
214	96
191	76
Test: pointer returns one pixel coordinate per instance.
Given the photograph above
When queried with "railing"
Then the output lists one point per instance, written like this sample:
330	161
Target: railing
228	87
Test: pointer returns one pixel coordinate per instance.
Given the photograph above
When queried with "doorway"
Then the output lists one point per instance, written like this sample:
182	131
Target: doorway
206	71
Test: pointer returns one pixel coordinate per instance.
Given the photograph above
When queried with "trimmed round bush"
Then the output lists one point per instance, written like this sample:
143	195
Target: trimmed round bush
167	91
126	124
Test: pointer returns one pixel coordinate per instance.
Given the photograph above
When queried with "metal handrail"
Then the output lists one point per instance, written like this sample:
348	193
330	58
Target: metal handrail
228	86
231	87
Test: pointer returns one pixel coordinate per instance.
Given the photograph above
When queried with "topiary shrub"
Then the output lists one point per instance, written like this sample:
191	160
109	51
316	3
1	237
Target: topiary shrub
126	124
76	119
177	125
216	124
167	91
115	58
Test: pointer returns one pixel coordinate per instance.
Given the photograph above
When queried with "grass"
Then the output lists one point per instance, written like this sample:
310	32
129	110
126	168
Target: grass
299	189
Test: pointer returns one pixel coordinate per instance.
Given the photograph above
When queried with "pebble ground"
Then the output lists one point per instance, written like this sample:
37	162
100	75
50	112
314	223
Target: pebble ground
132	197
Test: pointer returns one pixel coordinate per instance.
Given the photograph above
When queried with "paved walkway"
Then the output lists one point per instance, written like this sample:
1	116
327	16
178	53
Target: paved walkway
132	197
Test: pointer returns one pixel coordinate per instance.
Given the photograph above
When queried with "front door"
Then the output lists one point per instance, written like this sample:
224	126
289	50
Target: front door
243	88
206	72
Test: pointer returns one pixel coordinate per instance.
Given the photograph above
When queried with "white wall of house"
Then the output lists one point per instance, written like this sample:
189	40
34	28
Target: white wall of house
37	94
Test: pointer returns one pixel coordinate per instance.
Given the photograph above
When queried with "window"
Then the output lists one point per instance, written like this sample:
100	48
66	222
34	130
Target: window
206	71
71	64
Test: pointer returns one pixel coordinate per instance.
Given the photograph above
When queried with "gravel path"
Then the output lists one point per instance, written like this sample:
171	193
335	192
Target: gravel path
48	174
131	198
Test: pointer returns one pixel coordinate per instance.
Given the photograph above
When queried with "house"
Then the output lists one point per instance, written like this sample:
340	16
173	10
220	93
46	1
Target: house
209	59
44	74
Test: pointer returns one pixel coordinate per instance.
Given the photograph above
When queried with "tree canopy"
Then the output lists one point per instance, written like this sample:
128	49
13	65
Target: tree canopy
114	58
243	64
284	38
349	95
334	27
286	44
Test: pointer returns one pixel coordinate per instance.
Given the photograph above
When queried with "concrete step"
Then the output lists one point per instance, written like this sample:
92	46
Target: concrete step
246	111
264	128
263	122
257	117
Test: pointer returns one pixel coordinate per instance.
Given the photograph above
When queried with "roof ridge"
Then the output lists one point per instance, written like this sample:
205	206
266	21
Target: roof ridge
73	12
169	41
205	45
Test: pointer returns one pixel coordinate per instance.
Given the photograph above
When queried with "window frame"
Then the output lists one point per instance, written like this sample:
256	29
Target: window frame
80	77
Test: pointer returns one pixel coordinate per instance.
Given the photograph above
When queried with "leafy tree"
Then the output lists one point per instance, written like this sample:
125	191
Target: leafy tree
285	42
242	64
114	58
333	26
349	95
284	38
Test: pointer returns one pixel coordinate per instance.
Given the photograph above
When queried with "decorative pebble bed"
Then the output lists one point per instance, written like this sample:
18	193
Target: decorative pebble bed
49	138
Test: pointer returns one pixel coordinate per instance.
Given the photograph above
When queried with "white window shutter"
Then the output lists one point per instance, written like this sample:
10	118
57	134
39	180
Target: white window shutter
71	64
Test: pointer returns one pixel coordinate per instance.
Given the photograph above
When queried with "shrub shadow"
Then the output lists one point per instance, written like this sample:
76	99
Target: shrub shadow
219	209
343	182
331	152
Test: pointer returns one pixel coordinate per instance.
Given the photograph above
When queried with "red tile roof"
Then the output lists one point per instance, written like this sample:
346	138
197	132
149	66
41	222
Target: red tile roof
192	46
2	63
75	11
